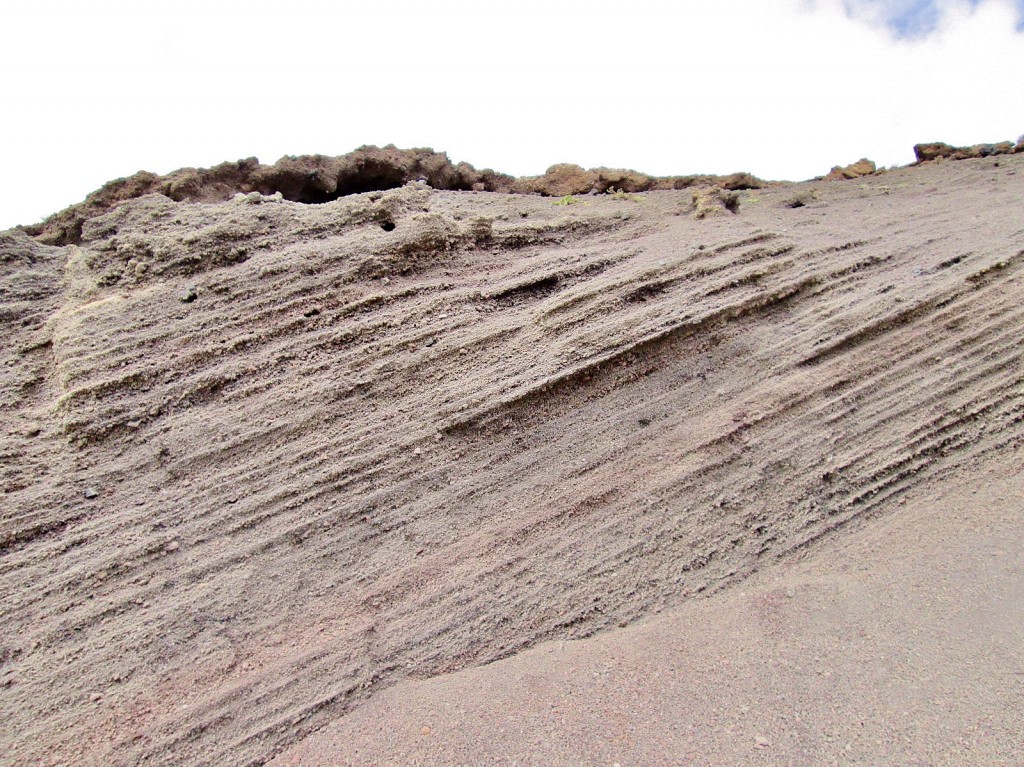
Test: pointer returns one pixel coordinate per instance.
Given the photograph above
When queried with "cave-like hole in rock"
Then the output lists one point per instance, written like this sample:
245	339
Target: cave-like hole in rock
370	176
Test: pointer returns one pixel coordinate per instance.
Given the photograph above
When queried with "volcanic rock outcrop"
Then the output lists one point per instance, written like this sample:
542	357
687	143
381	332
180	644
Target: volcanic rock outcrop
318	179
863	167
940	151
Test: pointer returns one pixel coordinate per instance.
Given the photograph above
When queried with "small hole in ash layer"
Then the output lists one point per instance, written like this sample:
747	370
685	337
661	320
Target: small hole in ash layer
388	226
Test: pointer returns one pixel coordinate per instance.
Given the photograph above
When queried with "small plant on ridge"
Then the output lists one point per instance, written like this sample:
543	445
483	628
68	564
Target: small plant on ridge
618	194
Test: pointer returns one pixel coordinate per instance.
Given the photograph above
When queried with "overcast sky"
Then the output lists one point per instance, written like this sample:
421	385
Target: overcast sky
785	89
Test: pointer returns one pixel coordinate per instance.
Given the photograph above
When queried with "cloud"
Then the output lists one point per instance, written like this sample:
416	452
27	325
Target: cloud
909	18
916	18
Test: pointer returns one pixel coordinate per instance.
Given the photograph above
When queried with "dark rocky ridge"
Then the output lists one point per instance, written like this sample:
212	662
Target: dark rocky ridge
319	179
938	150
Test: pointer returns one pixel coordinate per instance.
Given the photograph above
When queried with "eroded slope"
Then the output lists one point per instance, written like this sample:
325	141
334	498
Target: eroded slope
262	458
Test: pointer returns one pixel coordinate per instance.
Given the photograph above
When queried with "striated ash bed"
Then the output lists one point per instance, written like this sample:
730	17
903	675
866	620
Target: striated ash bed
263	461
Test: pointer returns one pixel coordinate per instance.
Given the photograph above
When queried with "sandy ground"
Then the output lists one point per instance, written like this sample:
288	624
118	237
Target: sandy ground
266	464
899	642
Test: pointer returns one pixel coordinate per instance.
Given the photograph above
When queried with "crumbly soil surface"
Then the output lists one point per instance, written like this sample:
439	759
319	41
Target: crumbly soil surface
272	471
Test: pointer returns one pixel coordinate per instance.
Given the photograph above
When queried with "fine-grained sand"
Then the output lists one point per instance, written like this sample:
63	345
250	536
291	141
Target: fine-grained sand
900	642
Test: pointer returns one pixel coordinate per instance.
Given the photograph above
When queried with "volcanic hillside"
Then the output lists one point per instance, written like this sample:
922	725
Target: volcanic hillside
263	459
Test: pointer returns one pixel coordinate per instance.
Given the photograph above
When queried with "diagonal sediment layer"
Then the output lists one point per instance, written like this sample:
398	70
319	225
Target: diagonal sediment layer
330	447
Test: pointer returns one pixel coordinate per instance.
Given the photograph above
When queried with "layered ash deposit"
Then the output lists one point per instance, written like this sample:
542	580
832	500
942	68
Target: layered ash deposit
261	459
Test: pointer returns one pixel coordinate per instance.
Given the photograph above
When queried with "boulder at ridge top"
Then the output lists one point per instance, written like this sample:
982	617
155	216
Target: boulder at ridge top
863	167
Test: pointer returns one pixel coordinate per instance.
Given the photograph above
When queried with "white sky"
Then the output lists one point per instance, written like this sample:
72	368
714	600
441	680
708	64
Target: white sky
785	89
